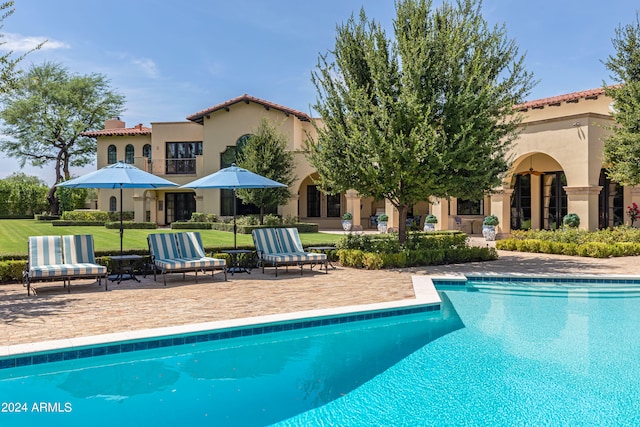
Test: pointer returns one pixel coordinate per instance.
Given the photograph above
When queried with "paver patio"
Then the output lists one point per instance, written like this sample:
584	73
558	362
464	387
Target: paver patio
89	310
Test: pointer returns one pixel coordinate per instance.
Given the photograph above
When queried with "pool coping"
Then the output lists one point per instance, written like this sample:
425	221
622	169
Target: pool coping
424	291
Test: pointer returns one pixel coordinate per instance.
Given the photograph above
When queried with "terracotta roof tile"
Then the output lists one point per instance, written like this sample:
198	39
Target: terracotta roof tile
136	130
557	100
199	116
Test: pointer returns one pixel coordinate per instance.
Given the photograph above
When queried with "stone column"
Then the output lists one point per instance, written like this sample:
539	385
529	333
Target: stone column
138	207
153	207
501	207
353	207
440	208
583	201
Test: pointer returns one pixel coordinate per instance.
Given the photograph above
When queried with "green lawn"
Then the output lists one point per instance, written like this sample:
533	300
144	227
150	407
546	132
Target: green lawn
15	233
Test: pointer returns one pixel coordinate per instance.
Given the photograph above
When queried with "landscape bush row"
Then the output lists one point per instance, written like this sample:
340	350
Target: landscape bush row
420	249
619	241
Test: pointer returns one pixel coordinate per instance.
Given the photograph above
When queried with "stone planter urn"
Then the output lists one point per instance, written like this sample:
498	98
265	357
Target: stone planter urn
347	221
430	223
382	223
489	227
489	232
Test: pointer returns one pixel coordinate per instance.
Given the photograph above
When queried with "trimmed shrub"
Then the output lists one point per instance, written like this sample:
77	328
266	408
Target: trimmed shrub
11	271
372	261
64	223
85	216
351	257
188	225
131	225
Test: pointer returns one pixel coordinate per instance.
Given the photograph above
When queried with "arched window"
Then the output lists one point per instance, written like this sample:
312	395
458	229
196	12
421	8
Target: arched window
113	204
146	152
128	154
112	154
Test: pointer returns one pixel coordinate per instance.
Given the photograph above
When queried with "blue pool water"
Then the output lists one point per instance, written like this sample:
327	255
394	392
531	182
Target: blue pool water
491	357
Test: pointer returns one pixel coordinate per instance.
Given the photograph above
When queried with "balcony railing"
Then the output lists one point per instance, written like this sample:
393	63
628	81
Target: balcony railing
168	166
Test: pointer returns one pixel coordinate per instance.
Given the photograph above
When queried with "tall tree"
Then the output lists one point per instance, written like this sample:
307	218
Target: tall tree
429	114
8	62
46	115
265	153
622	146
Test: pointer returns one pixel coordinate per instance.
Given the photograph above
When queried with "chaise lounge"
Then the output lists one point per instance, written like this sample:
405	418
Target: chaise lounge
67	257
181	252
282	246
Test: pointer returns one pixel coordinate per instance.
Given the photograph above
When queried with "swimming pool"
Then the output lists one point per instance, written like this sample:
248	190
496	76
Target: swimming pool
494	356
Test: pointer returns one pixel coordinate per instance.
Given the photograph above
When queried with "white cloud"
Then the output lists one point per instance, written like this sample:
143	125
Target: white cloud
147	66
19	43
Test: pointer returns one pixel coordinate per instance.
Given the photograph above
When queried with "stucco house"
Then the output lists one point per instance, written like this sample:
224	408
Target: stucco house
557	168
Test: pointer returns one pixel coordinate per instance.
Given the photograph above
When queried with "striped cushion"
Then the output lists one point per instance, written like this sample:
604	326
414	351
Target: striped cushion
78	249
186	264
295	257
44	251
266	241
67	270
163	246
289	240
190	244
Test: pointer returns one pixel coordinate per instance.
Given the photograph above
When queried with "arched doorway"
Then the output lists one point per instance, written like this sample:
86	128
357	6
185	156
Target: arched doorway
539	199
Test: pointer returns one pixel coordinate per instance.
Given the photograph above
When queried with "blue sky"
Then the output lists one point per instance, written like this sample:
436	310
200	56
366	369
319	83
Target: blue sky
172	59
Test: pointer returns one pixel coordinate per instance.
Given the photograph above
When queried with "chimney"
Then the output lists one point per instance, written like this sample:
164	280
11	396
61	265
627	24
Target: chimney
114	123
139	126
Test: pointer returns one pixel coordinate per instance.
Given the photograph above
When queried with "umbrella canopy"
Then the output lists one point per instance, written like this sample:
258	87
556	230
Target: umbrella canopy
118	175
232	178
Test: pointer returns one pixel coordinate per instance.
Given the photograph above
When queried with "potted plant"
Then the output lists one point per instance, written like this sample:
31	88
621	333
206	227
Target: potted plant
382	223
571	220
430	222
489	227
347	221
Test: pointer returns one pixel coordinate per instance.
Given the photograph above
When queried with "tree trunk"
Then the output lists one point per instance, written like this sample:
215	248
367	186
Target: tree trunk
52	199
402	223
261	214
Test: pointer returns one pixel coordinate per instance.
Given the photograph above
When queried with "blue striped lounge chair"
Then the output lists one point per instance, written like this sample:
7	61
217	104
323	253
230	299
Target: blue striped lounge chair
277	246
46	260
166	256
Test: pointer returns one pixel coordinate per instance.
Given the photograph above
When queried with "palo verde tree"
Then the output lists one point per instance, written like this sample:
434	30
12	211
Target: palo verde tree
46	114
265	153
429	114
622	146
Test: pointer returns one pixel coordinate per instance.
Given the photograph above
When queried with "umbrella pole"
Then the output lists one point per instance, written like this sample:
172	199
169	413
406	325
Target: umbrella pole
234	220
121	228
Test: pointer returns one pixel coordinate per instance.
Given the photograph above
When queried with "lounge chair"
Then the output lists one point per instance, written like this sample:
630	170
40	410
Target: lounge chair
67	257
179	253
282	246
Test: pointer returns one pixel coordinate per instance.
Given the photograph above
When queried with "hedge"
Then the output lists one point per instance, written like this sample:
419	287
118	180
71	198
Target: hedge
131	225
587	249
413	258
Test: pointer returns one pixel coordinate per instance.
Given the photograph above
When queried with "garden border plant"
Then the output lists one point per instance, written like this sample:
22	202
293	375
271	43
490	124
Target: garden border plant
619	241
420	249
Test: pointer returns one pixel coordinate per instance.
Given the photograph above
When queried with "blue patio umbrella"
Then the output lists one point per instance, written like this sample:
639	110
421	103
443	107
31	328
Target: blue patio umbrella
118	175
232	178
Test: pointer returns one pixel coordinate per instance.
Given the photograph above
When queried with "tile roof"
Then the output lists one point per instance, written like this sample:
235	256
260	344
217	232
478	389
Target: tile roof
199	116
556	100
136	130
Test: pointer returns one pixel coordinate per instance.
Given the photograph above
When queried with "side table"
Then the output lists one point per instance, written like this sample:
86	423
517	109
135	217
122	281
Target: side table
324	250
125	267
236	265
